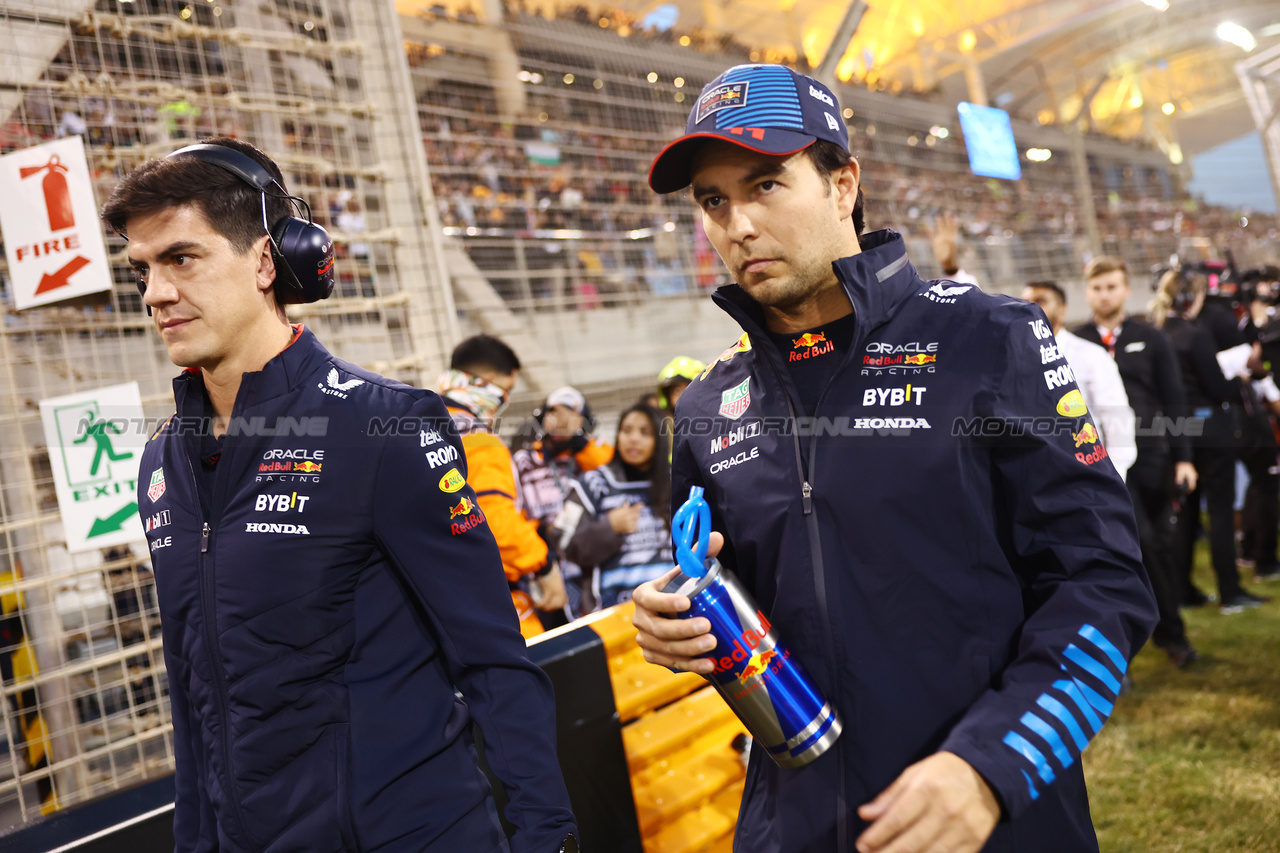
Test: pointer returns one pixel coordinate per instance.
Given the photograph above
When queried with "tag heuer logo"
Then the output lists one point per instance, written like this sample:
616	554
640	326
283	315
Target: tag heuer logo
735	401
156	490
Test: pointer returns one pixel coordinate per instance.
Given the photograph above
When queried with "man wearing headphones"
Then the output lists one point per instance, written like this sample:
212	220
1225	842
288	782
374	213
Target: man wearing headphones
307	522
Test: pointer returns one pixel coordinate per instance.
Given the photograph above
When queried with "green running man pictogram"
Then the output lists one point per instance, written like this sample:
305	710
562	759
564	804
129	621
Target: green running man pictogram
98	431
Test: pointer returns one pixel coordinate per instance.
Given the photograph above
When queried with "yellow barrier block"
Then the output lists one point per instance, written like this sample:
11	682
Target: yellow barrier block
695	832
665	730
642	686
687	780
616	630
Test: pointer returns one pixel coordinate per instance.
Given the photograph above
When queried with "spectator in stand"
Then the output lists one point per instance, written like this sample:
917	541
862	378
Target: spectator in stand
1097	376
1153	384
674	378
482	371
617	522
1214	400
560	449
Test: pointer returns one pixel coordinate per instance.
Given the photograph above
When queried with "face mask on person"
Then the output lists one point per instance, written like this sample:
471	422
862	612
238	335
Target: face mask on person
479	395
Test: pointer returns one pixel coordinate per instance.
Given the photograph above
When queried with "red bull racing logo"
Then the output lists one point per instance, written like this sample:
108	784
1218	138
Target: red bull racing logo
810	345
1088	435
307	467
920	358
470	514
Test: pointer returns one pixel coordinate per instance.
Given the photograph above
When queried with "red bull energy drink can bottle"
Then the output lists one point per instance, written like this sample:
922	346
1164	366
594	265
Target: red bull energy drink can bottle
759	678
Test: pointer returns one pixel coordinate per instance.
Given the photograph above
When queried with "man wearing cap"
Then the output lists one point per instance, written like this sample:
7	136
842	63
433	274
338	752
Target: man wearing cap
562	448
906	501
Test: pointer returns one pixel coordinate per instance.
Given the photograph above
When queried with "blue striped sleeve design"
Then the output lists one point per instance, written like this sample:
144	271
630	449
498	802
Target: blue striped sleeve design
1024	747
1031	786
1095	636
1064	716
1092	666
1100	664
1051	737
1074	694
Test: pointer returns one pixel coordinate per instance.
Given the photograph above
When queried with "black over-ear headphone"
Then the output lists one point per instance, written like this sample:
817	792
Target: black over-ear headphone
302	250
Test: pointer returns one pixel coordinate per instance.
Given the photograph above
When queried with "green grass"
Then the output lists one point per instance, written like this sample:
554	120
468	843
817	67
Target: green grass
1190	761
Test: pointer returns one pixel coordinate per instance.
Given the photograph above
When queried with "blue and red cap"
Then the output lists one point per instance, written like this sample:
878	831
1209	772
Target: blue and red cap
766	108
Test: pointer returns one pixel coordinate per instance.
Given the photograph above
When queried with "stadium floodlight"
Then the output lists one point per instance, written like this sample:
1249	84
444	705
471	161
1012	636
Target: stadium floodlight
1158	5
1237	35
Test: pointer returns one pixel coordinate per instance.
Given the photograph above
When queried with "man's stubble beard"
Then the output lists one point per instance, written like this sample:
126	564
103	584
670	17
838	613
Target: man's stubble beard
791	291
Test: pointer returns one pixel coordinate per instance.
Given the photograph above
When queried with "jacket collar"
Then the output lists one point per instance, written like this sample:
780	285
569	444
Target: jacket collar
283	373
876	281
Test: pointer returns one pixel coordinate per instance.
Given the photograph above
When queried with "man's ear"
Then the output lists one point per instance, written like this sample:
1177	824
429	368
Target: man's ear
266	273
847	179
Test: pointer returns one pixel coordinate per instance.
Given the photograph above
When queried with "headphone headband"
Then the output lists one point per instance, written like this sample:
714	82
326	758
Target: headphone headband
242	166
301	249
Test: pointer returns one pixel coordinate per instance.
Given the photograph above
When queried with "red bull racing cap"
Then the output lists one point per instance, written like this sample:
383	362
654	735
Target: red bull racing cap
766	108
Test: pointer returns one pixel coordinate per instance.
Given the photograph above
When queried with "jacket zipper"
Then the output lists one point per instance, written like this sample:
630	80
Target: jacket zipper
211	641
819	578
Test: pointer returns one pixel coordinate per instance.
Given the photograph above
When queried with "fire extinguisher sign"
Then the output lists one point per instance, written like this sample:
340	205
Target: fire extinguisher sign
49	223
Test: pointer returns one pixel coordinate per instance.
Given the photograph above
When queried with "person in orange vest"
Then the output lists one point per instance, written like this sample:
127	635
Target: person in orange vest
482	371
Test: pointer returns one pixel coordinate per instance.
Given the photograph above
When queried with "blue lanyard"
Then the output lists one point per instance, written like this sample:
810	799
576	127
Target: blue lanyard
691	532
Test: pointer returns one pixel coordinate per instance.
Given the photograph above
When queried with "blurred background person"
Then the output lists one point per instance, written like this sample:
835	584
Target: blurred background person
553	450
1214	401
1260	514
1096	374
617	522
482	371
674	378
1153	385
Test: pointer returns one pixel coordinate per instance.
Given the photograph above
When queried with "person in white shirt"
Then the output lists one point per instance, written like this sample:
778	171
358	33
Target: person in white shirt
1096	374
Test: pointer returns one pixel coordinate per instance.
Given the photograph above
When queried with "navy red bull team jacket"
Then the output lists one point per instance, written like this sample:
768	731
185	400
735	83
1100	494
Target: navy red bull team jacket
945	546
320	612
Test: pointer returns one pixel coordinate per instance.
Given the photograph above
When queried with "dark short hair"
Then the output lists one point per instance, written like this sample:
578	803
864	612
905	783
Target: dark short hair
233	208
828	157
484	352
1052	286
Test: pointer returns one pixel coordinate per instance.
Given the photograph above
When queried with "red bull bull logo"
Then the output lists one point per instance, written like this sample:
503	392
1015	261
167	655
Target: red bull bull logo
920	358
743	345
809	339
756	666
464	507
1088	435
307	467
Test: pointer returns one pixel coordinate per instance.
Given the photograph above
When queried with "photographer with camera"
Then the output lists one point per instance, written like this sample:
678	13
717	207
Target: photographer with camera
1216	401
1260	290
